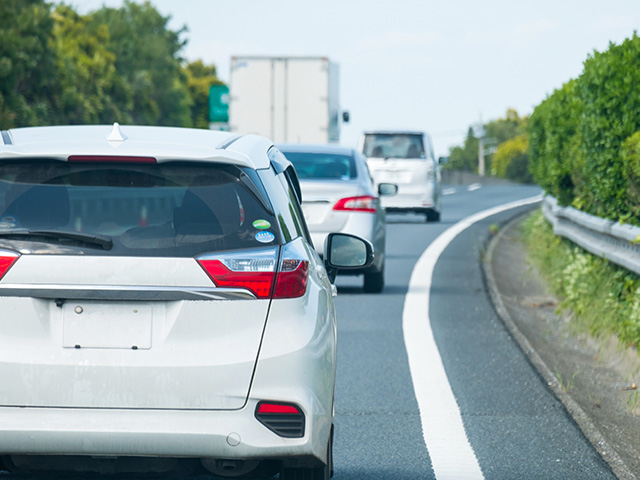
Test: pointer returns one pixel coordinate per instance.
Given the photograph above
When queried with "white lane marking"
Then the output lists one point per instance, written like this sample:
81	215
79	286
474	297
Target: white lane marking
448	191
474	186
451	454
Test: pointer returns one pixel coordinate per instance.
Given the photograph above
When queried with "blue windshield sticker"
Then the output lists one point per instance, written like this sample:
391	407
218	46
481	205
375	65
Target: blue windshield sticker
265	237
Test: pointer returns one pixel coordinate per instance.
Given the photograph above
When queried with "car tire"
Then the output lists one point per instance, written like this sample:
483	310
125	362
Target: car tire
374	282
433	216
315	473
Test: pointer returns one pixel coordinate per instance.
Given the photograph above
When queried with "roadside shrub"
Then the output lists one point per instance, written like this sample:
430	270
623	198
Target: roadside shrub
578	136
554	153
608	87
631	172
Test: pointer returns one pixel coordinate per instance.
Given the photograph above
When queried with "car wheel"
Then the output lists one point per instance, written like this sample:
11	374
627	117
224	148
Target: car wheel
316	473
433	216
374	282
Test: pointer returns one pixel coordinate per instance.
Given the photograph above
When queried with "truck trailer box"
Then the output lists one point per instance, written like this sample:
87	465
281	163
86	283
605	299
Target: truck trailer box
288	99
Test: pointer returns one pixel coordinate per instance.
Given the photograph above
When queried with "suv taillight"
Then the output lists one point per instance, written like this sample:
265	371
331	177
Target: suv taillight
7	259
365	203
255	270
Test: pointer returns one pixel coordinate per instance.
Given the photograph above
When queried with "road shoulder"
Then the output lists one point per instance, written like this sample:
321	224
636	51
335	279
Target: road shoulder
591	378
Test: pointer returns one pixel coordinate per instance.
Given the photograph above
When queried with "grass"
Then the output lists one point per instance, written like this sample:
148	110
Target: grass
602	297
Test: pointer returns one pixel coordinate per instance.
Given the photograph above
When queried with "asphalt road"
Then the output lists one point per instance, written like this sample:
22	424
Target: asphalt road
515	426
513	423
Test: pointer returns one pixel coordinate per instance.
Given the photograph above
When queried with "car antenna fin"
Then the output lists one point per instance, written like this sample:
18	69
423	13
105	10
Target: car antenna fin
116	134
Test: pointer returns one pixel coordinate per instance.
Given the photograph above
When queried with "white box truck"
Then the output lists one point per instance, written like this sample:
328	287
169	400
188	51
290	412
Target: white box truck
288	99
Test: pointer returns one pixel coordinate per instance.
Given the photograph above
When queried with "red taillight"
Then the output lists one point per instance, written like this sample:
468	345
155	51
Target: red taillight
365	203
292	279
6	262
255	270
111	159
257	282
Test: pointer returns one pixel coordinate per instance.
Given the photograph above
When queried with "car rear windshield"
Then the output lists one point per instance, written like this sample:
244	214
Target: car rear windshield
322	166
394	145
173	209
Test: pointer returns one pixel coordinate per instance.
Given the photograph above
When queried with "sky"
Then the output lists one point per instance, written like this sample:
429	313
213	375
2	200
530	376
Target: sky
437	66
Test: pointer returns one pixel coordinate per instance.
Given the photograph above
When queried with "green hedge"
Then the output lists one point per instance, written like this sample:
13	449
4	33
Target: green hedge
581	137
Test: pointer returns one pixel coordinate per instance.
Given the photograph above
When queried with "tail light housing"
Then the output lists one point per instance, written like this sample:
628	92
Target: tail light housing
283	419
363	203
260	271
7	259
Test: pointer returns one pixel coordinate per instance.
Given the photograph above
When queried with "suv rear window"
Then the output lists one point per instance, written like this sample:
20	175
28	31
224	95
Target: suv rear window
393	145
171	209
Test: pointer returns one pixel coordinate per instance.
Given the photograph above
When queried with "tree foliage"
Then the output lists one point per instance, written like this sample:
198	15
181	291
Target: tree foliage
115	64
497	133
200	78
27	64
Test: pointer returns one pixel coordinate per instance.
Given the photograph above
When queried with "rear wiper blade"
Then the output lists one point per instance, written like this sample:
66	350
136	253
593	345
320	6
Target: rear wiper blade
103	241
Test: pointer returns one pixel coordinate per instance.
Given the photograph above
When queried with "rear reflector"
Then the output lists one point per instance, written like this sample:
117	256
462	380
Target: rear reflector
363	203
283	419
7	259
110	159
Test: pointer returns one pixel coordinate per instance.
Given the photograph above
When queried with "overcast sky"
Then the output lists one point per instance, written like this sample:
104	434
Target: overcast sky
419	64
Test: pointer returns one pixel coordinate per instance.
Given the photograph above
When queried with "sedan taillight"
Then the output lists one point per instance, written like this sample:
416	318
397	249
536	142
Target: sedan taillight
364	203
7	259
255	270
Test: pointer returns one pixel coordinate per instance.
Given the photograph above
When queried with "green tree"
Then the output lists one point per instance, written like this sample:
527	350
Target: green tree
200	78
147	57
27	69
466	156
89	89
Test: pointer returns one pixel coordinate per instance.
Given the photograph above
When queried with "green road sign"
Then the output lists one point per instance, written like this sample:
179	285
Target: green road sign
219	104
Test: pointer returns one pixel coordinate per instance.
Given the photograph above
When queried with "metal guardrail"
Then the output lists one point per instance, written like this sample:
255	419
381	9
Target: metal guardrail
618	243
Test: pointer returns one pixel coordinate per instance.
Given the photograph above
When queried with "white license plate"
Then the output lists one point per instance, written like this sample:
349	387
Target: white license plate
89	324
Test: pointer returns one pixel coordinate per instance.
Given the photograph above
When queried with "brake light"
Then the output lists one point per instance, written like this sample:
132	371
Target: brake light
7	259
110	159
256	271
365	203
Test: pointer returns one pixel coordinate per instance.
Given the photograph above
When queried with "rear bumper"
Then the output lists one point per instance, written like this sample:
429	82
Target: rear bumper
196	434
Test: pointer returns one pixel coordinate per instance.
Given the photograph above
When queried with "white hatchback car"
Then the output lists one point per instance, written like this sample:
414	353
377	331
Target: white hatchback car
161	298
405	158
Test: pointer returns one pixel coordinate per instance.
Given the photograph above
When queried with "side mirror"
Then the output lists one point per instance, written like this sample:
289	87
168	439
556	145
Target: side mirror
345	116
387	189
443	160
346	252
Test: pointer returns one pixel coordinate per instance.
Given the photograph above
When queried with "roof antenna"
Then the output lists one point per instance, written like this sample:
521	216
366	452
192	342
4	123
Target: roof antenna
116	135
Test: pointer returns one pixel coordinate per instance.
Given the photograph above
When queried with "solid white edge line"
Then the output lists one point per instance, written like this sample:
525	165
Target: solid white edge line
452	456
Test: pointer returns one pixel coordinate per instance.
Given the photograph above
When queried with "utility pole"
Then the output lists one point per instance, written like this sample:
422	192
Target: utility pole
478	130
481	156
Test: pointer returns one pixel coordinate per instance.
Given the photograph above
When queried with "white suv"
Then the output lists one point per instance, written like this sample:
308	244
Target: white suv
161	298
405	158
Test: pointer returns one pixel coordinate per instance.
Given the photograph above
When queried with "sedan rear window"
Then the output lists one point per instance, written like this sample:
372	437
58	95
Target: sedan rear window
170	209
322	166
393	145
